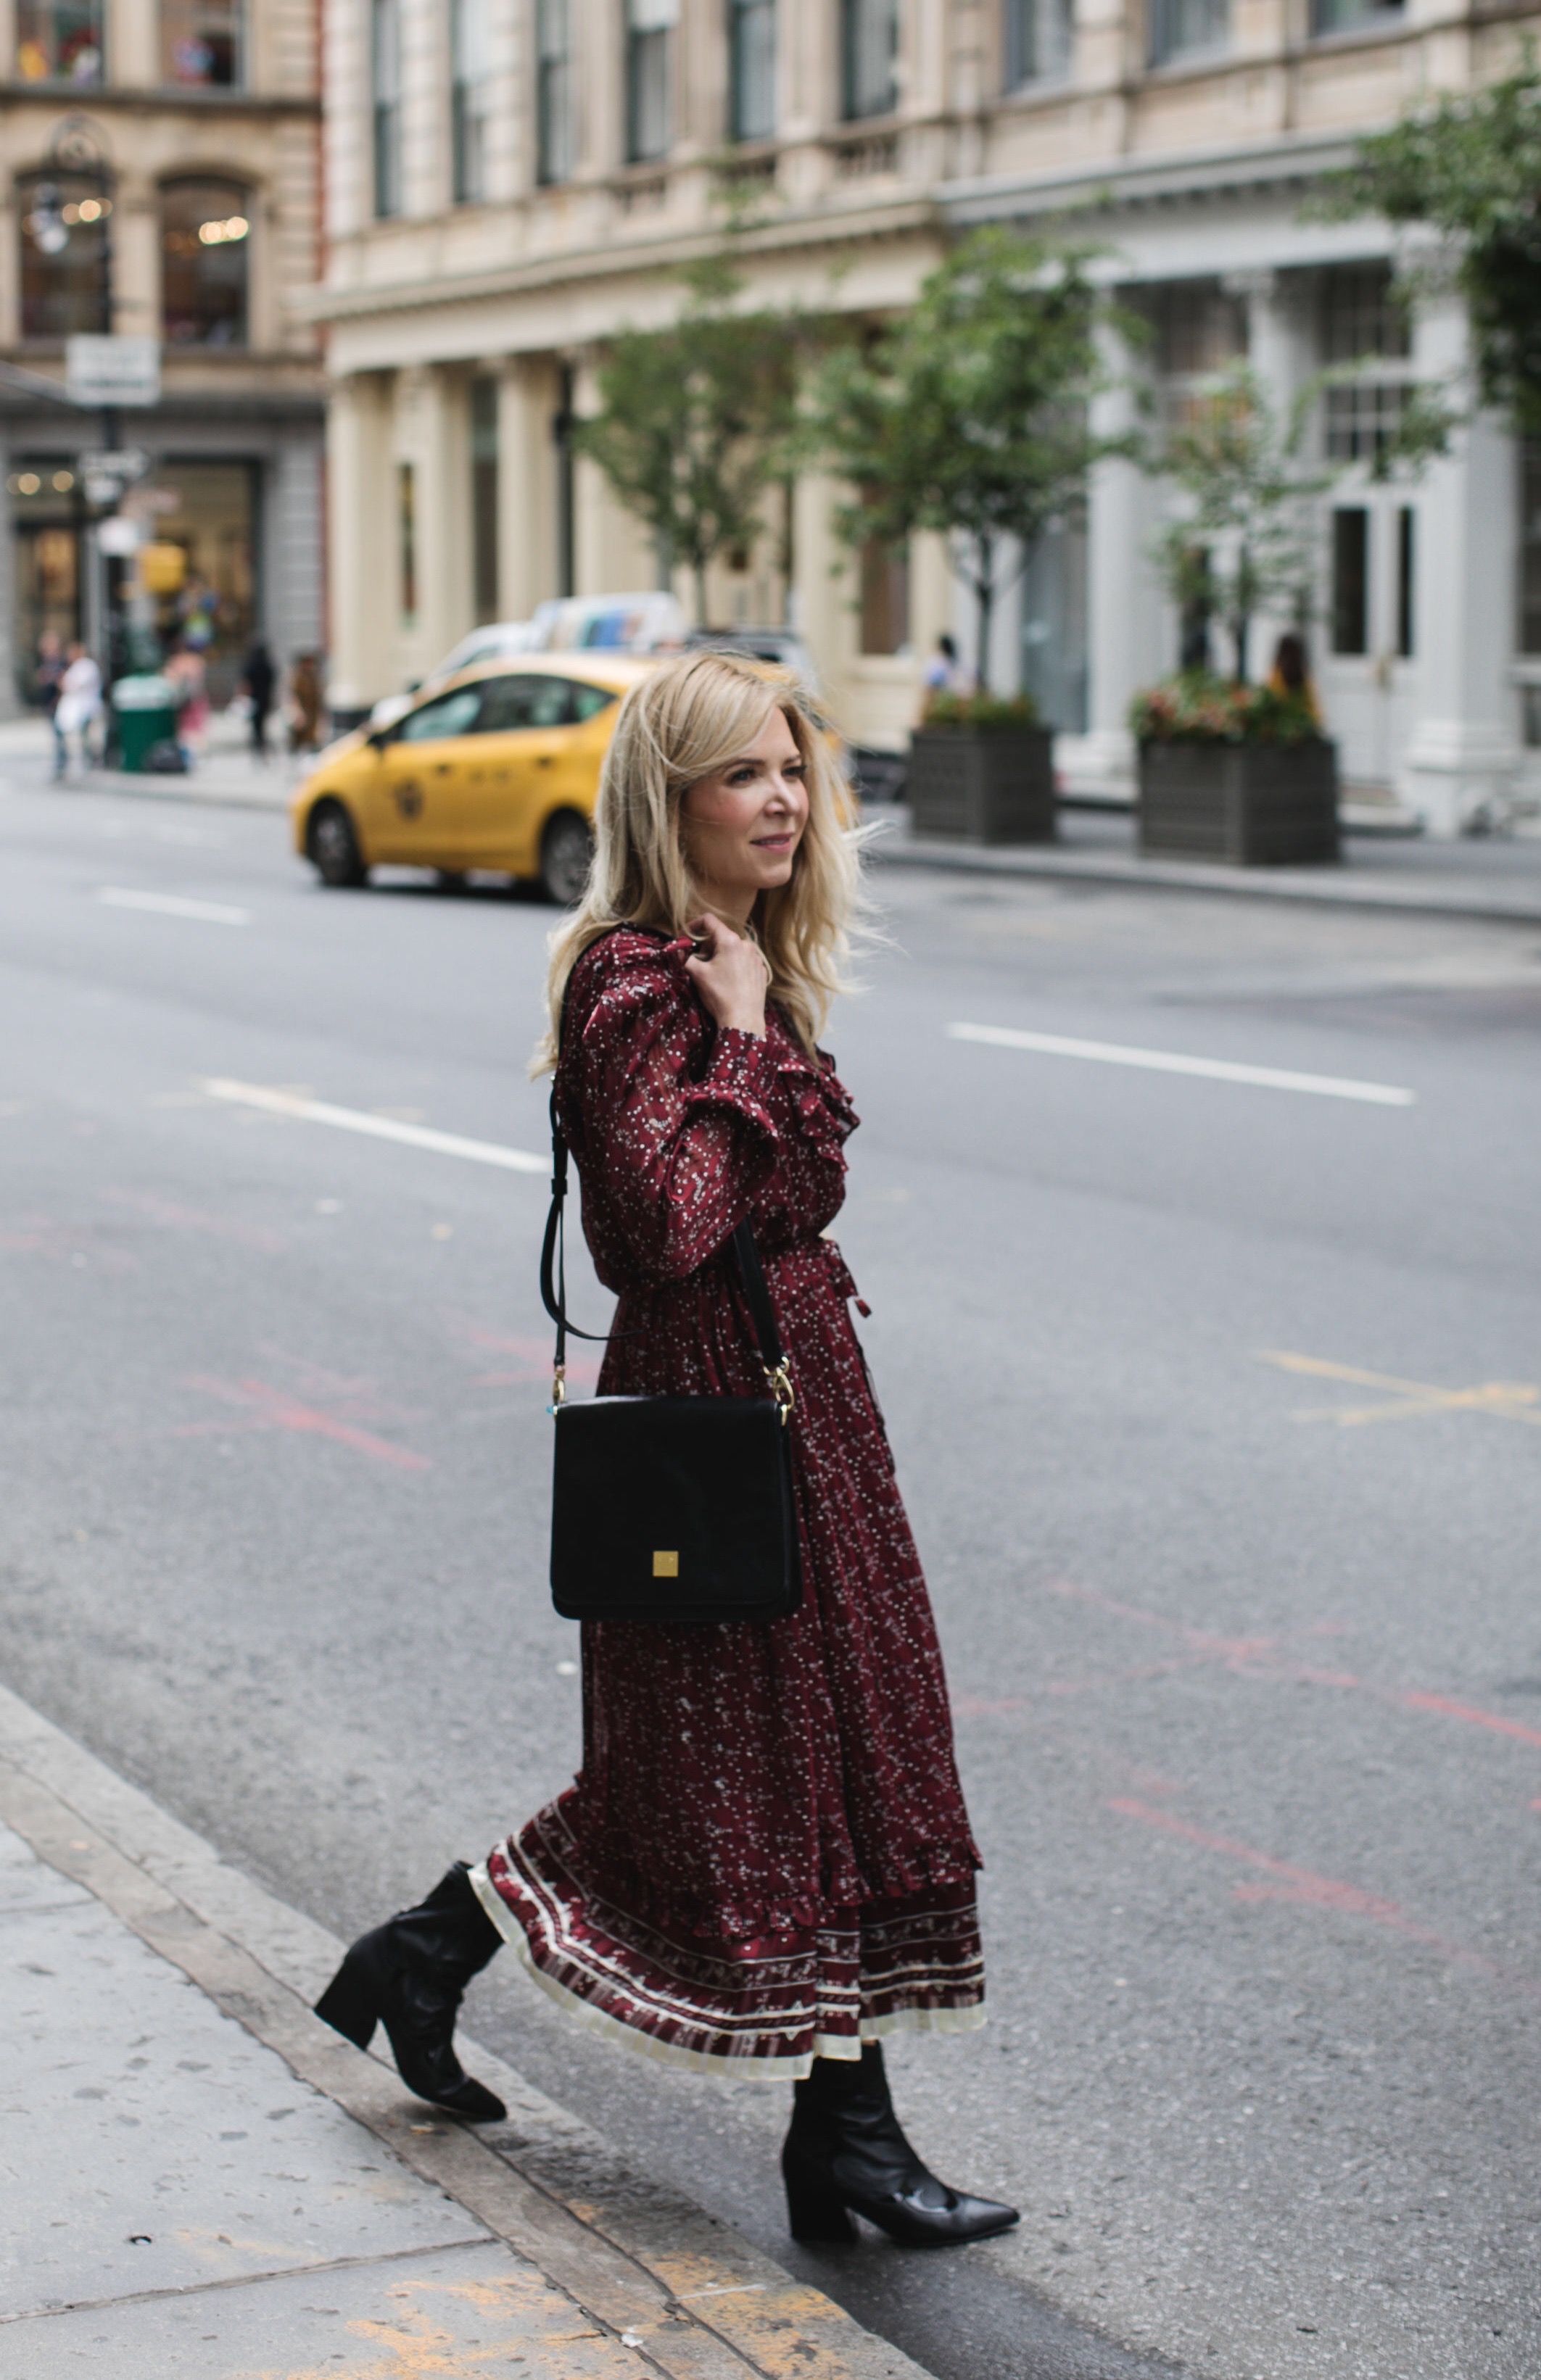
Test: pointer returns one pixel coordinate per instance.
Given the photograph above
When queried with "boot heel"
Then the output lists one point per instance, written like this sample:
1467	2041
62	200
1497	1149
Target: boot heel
816	2211
348	2006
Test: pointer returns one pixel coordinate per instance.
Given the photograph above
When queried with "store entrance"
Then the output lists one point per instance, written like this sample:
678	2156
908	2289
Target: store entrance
206	601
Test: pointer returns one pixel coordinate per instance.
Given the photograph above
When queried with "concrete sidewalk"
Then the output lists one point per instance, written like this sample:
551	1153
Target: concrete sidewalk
203	2182
228	775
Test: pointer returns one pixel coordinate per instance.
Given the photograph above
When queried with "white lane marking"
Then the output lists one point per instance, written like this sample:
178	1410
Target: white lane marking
1167	1061
415	1135
173	904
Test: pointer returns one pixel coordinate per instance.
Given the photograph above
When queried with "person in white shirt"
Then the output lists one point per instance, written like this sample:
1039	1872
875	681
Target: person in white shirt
80	703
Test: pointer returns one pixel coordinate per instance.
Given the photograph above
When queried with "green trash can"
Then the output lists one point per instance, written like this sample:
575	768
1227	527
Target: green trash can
145	711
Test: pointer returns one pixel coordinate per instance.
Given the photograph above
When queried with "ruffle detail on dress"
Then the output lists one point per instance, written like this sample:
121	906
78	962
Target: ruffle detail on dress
769	2004
822	1100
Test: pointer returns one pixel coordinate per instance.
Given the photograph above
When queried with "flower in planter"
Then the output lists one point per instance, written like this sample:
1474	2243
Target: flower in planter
994	713
1196	707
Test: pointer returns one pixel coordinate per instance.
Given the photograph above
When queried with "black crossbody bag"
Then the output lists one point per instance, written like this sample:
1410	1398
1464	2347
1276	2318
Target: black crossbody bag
670	1508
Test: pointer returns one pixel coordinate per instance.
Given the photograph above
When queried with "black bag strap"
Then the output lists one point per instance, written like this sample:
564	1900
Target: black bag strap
774	1361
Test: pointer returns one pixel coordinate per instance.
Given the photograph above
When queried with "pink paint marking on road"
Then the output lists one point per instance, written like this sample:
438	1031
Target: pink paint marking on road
1303	1884
1261	1657
167	1212
270	1408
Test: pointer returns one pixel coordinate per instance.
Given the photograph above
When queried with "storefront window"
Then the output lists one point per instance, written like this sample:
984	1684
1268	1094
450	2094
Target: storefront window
200	42
483	499
206	236
209	510
58	40
64	255
44	505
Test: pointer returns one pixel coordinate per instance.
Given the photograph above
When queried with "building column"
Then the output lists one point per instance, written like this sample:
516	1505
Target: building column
529	399
292	548
363	563
614	553
1458	771
433	434
1124	609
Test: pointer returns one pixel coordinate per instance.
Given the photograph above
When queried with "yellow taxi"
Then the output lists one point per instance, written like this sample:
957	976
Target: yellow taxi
496	770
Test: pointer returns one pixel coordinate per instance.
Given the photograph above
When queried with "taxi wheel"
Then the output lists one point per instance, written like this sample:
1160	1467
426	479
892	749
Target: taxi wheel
332	847
567	848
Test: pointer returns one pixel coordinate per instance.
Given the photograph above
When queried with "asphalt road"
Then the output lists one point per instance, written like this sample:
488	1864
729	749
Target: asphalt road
1244	1643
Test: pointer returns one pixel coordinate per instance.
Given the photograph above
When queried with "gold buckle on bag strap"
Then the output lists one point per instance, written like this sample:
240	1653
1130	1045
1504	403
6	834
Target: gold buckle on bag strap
779	1380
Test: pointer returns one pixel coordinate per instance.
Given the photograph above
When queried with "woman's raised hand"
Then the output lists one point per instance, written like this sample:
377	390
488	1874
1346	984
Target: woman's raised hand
730	973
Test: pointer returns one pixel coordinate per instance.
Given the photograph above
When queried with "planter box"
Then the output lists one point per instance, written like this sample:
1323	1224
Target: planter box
979	786
1251	804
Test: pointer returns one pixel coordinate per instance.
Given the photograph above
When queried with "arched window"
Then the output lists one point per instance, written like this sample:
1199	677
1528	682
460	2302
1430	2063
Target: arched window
205	234
64	254
200	42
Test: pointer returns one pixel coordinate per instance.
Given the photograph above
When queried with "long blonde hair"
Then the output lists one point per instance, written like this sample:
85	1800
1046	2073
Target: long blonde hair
685	722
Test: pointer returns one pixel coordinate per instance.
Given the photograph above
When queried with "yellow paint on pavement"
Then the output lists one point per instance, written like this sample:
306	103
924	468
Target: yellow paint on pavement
1410	1400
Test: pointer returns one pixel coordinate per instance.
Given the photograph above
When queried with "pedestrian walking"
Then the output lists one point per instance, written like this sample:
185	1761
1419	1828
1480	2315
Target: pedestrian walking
304	703
79	706
259	682
1290	674
764	1865
47	679
188	674
944	673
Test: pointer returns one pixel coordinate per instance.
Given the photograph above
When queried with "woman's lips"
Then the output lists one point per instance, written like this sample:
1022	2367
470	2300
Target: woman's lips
773	842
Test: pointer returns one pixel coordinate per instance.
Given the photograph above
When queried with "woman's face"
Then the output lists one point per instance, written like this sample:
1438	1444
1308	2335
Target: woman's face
741	828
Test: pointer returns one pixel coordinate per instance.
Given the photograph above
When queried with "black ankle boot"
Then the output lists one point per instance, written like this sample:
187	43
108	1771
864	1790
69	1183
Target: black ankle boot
846	2151
409	1976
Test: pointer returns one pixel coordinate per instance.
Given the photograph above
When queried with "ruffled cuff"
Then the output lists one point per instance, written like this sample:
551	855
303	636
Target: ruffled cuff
822	1102
739	1076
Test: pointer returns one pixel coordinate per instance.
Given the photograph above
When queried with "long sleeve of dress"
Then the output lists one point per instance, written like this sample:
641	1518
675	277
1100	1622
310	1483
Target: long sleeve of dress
672	1164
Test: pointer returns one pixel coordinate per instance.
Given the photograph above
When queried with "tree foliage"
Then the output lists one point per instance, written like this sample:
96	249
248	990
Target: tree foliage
694	421
1243	541
968	415
1470	168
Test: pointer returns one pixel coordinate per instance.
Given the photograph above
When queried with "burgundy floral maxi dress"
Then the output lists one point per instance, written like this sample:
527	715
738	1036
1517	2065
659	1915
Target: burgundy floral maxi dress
766	1857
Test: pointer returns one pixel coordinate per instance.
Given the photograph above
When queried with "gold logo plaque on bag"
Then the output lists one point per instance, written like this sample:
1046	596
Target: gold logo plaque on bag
665	1565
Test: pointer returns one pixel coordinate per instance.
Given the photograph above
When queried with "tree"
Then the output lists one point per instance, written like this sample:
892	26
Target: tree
694	420
968	413
1470	168
1243	542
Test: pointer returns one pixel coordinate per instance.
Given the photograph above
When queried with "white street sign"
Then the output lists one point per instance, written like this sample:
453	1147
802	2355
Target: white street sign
112	463
102	371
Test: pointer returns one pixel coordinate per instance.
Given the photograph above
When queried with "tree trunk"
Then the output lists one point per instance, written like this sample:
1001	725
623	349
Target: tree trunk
699	572
985	598
1241	632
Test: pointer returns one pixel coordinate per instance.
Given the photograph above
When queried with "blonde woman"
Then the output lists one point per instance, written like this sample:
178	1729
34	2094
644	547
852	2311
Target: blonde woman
764	1864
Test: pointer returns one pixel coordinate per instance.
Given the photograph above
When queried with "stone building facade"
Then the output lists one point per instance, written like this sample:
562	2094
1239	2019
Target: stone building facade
509	180
161	179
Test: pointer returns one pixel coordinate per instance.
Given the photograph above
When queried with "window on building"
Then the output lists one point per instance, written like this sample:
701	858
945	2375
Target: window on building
58	40
1180	27
884	596
385	90
1199	329
200	42
1350	579
1038	39
1363	419
64	285
1362	315
470	99
553	124
483	499
750	69
1353	16
205	238
1407	551
649	78
406	543
869	55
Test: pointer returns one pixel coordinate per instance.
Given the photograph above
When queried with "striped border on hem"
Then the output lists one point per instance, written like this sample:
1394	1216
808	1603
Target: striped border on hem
722	2066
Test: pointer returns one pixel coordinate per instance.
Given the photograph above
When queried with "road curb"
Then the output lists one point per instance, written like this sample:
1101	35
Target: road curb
1113	869
643	2263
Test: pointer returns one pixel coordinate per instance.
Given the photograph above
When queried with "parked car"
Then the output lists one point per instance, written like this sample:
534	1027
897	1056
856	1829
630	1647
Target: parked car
498	771
651	622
